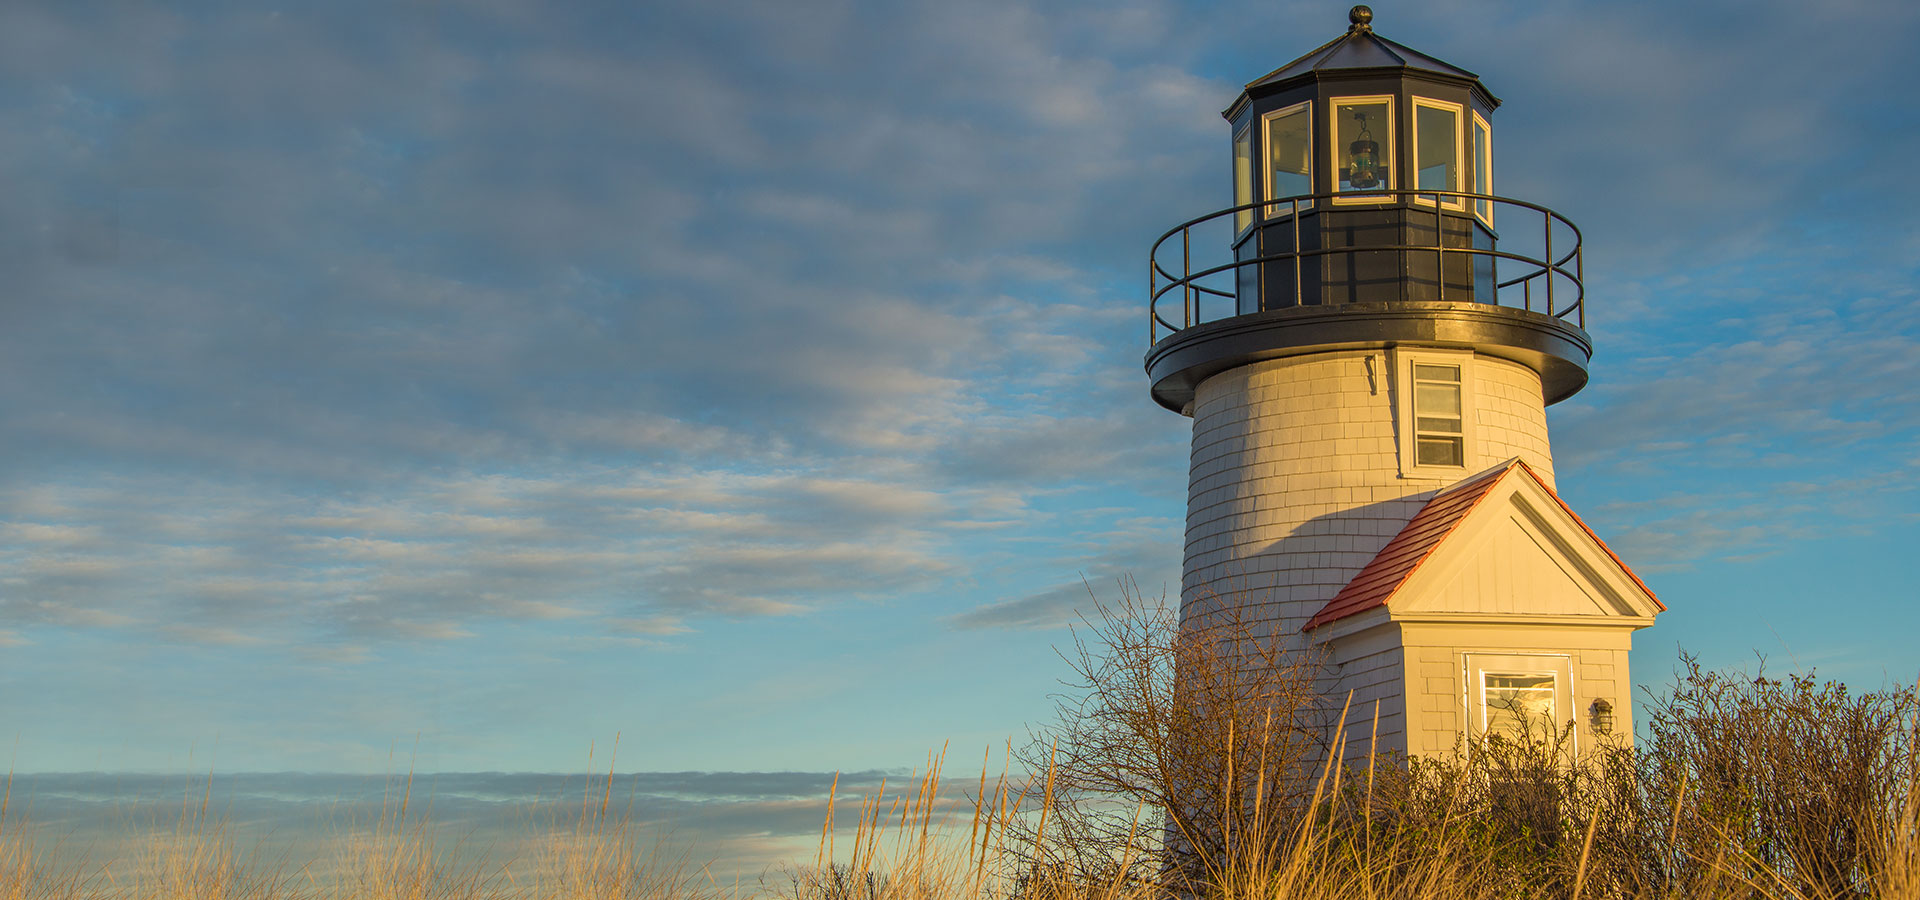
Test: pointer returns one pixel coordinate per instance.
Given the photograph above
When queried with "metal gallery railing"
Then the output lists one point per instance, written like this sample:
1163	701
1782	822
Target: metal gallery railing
1538	276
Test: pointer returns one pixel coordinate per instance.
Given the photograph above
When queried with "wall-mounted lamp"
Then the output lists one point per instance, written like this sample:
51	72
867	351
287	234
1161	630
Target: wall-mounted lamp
1601	715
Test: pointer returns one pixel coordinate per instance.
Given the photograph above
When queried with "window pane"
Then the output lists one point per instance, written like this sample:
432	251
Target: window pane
1436	152
1482	170
1436	373
1243	177
1438	451
1436	400
1518	705
1289	156
1363	145
1475	136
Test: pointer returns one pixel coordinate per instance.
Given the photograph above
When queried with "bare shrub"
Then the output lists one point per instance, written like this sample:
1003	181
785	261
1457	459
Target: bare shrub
1201	744
1743	786
1791	783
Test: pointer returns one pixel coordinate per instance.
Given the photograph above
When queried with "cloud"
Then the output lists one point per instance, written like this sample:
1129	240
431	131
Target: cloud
1832	376
644	550
650	625
1050	608
218	637
1140	558
292	321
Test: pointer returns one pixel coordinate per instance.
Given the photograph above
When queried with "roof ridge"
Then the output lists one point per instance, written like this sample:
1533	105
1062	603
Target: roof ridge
1389	46
1449	68
1316	54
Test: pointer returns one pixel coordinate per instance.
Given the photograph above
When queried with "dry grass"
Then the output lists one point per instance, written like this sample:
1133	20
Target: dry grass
596	855
1745	788
1385	832
1833	812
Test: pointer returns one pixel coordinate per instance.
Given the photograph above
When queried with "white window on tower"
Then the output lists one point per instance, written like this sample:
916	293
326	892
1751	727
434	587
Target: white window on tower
1438	436
1434	411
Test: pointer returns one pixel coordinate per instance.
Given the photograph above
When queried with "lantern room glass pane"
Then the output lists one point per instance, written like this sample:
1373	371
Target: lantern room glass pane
1482	153
1363	144
1242	178
1519	705
1436	148
1289	156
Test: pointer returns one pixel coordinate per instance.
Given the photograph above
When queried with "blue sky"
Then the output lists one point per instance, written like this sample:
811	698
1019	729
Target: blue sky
759	381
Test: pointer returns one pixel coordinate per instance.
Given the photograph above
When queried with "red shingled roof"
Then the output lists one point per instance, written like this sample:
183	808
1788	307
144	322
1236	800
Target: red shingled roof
1406	551
1397	561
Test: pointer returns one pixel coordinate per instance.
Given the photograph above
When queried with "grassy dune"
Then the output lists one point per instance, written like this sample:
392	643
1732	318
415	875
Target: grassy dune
1447	833
400	855
1746	788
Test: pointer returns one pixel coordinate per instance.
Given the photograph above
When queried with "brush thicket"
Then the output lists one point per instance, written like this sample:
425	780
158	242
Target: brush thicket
1742	787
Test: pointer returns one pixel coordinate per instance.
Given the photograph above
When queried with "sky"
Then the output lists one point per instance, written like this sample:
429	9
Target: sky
761	382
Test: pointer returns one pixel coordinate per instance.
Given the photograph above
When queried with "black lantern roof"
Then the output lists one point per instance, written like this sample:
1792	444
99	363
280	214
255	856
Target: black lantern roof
1359	51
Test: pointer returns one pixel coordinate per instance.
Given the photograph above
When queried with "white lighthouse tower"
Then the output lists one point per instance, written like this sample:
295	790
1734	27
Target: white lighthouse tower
1368	374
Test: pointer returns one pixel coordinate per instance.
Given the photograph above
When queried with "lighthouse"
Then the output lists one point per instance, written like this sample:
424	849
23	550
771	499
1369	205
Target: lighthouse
1366	341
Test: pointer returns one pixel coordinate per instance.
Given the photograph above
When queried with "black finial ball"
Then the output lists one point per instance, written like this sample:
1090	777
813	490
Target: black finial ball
1361	16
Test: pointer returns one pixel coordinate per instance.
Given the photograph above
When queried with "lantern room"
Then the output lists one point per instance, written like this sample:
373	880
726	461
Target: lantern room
1362	143
1364	213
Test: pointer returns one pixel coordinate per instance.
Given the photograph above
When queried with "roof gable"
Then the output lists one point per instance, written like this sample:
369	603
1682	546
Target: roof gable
1478	547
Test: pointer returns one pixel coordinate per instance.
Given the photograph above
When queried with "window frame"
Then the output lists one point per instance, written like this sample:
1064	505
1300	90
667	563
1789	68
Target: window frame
1243	220
1477	666
1457	204
1356	196
1482	209
1421	433
1406	426
1272	211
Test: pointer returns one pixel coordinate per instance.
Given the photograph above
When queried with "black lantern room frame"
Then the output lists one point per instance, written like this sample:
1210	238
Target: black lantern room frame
1362	184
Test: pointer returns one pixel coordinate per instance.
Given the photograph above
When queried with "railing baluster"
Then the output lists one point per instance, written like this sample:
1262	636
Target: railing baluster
1186	278
1580	272
1550	267
1297	287
1439	249
1153	328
